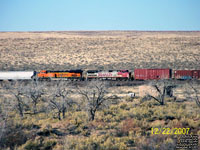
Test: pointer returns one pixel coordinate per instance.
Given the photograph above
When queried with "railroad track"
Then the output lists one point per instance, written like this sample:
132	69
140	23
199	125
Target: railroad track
109	82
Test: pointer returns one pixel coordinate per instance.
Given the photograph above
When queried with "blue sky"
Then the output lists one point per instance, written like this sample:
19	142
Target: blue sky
67	15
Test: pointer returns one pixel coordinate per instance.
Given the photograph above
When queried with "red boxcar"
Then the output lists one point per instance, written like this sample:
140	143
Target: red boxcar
186	74
151	74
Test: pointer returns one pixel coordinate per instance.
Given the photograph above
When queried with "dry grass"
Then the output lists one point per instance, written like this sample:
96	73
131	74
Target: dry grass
99	50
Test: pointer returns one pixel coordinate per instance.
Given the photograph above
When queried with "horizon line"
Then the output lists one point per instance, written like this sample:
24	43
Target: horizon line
105	30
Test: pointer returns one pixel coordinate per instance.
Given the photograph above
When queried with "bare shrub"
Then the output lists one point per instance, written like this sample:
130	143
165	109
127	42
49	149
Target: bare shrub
59	98
95	96
192	91
17	89
34	91
160	88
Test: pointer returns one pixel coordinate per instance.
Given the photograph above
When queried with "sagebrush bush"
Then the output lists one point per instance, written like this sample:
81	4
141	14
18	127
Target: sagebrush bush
32	145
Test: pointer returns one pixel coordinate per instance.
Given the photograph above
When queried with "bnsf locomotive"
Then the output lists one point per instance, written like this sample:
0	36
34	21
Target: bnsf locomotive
137	74
108	75
68	74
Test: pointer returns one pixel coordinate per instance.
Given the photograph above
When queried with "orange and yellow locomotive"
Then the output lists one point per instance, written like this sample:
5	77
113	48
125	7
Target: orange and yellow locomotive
68	74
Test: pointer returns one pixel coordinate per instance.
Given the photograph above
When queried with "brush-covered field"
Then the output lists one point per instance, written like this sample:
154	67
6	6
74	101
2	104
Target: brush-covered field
126	125
41	116
99	50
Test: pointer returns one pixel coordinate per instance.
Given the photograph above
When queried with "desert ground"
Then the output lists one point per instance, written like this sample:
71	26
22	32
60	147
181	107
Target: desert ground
99	50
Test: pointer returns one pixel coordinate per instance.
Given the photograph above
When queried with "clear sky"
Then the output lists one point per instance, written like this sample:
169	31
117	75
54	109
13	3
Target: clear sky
65	15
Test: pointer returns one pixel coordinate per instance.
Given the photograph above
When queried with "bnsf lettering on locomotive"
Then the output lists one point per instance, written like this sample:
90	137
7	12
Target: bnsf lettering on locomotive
105	74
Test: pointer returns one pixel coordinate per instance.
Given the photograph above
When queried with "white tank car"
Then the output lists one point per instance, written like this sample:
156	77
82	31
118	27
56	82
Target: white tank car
16	75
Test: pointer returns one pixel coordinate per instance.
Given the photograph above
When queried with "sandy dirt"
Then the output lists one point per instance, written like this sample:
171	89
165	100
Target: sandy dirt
99	50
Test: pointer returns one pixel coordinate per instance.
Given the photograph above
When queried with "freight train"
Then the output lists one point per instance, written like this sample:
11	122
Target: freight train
120	75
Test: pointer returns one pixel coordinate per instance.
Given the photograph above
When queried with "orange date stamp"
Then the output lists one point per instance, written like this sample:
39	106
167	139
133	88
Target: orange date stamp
178	131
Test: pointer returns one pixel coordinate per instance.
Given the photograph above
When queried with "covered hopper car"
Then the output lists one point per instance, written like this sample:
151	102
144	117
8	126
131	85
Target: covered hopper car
17	75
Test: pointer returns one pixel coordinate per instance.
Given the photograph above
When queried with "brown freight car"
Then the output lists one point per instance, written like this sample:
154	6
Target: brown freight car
186	74
152	74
